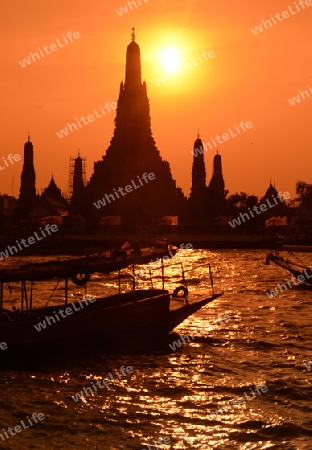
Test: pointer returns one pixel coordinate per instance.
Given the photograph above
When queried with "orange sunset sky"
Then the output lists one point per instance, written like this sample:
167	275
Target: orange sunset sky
250	78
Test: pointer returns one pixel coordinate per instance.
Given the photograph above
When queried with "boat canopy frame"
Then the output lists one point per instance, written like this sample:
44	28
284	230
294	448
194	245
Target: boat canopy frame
26	302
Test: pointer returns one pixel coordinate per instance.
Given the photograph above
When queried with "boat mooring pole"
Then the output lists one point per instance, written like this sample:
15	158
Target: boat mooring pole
150	272
183	275
26	300
133	278
211	279
22	300
31	295
163	273
1	295
66	291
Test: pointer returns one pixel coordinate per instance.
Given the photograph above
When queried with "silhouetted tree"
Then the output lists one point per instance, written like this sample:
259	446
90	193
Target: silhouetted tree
304	193
240	202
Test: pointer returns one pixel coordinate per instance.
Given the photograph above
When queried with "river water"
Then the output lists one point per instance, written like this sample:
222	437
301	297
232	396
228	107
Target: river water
236	345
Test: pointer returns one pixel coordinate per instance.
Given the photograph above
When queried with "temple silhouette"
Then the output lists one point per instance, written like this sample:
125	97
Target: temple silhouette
198	197
77	176
27	197
142	206
131	153
205	202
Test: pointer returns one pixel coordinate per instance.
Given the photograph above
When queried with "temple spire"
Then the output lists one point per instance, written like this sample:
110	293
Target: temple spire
27	196
216	185
133	79
198	170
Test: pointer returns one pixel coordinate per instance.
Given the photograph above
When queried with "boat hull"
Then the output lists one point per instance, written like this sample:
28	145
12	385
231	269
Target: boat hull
110	323
292	268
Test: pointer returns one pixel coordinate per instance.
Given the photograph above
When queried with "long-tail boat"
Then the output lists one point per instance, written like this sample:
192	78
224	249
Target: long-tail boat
108	322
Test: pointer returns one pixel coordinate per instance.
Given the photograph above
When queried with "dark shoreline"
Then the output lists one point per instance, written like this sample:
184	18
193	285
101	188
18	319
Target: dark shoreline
88	244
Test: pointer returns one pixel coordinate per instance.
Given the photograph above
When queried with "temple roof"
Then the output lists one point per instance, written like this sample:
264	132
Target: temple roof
52	189
270	192
198	143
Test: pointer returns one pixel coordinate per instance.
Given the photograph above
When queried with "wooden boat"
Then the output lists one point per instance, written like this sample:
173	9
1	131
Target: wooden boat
300	270
73	267
109	322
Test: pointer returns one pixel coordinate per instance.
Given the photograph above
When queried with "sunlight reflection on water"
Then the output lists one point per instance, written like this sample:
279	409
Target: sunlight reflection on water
173	393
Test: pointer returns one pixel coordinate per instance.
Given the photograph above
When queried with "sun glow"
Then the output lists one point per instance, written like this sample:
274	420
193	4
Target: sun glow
170	59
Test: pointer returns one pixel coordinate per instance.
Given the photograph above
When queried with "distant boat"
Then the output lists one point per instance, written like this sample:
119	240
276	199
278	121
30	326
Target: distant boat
300	270
108	322
79	268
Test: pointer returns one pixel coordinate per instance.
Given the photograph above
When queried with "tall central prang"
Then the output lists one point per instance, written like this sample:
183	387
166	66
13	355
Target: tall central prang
131	153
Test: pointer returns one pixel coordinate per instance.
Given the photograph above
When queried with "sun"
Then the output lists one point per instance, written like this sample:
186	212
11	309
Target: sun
170	59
